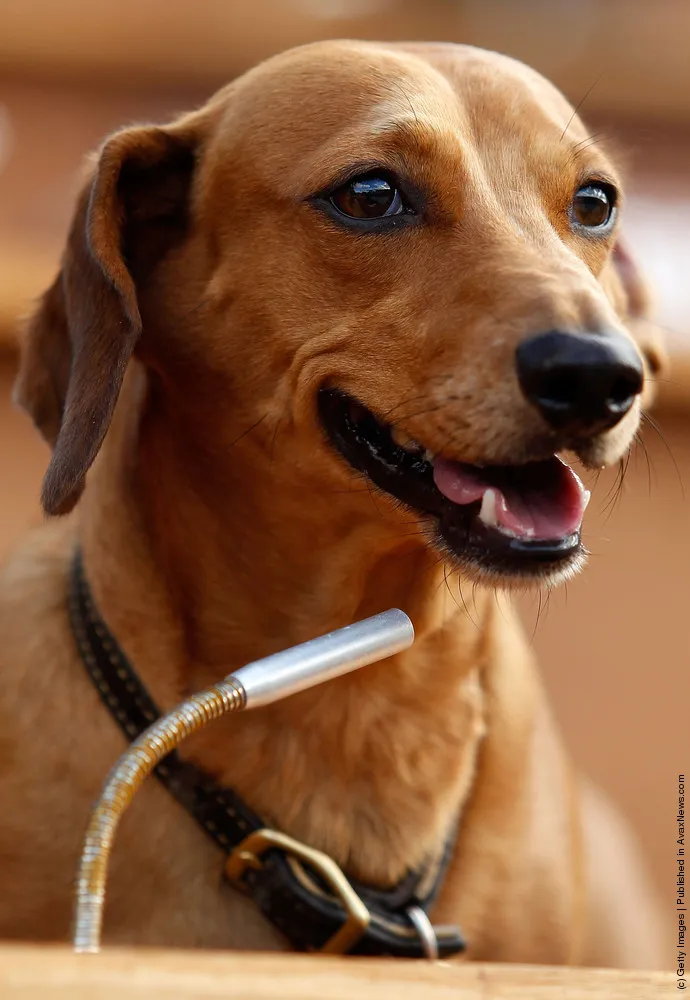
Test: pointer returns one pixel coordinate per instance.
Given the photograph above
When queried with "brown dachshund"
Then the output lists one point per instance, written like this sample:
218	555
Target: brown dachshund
323	341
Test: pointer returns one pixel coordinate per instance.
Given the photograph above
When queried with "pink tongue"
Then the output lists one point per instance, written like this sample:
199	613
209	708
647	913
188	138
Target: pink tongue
545	506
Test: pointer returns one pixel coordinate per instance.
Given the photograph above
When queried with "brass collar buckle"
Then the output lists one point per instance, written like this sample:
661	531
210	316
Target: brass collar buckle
248	854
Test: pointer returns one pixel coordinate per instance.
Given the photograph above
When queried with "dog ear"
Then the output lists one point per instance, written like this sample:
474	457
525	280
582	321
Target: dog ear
630	295
78	342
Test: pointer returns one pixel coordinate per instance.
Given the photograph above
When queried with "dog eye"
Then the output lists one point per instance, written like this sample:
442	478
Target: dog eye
593	205
370	196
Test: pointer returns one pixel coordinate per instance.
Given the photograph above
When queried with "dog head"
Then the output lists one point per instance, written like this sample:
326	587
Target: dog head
407	256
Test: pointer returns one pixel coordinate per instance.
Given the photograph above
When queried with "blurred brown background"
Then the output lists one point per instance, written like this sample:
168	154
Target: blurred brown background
614	646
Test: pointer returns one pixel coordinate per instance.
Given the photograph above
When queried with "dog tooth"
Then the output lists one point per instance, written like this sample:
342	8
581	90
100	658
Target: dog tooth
428	455
487	511
586	497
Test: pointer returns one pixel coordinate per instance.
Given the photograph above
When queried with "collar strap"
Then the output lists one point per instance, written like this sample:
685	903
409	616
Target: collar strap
300	891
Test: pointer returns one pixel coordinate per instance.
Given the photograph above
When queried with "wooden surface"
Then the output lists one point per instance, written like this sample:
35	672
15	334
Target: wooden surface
41	973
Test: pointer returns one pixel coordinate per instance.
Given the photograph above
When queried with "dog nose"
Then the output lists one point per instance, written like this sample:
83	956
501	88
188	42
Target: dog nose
582	383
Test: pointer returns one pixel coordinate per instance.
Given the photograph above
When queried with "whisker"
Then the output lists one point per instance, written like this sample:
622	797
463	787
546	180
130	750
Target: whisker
536	621
641	446
543	608
579	105
349	492
273	440
595	135
421	413
413	534
614	495
475	586
593	141
407	97
464	604
668	381
445	580
249	430
655	427
370	487
431	379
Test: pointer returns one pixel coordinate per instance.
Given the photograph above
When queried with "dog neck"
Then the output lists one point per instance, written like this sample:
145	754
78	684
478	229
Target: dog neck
372	768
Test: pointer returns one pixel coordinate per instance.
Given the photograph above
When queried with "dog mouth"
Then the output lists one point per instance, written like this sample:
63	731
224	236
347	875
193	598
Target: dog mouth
506	520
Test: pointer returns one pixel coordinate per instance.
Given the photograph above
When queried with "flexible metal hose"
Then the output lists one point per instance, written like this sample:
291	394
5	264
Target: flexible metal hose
123	782
257	684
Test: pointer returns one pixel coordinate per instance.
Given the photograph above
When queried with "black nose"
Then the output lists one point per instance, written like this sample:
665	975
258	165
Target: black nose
582	383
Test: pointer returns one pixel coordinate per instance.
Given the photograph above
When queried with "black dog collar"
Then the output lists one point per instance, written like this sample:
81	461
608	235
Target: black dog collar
300	891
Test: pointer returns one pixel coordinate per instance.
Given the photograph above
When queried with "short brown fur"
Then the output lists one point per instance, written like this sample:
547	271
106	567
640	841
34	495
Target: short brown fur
202	301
